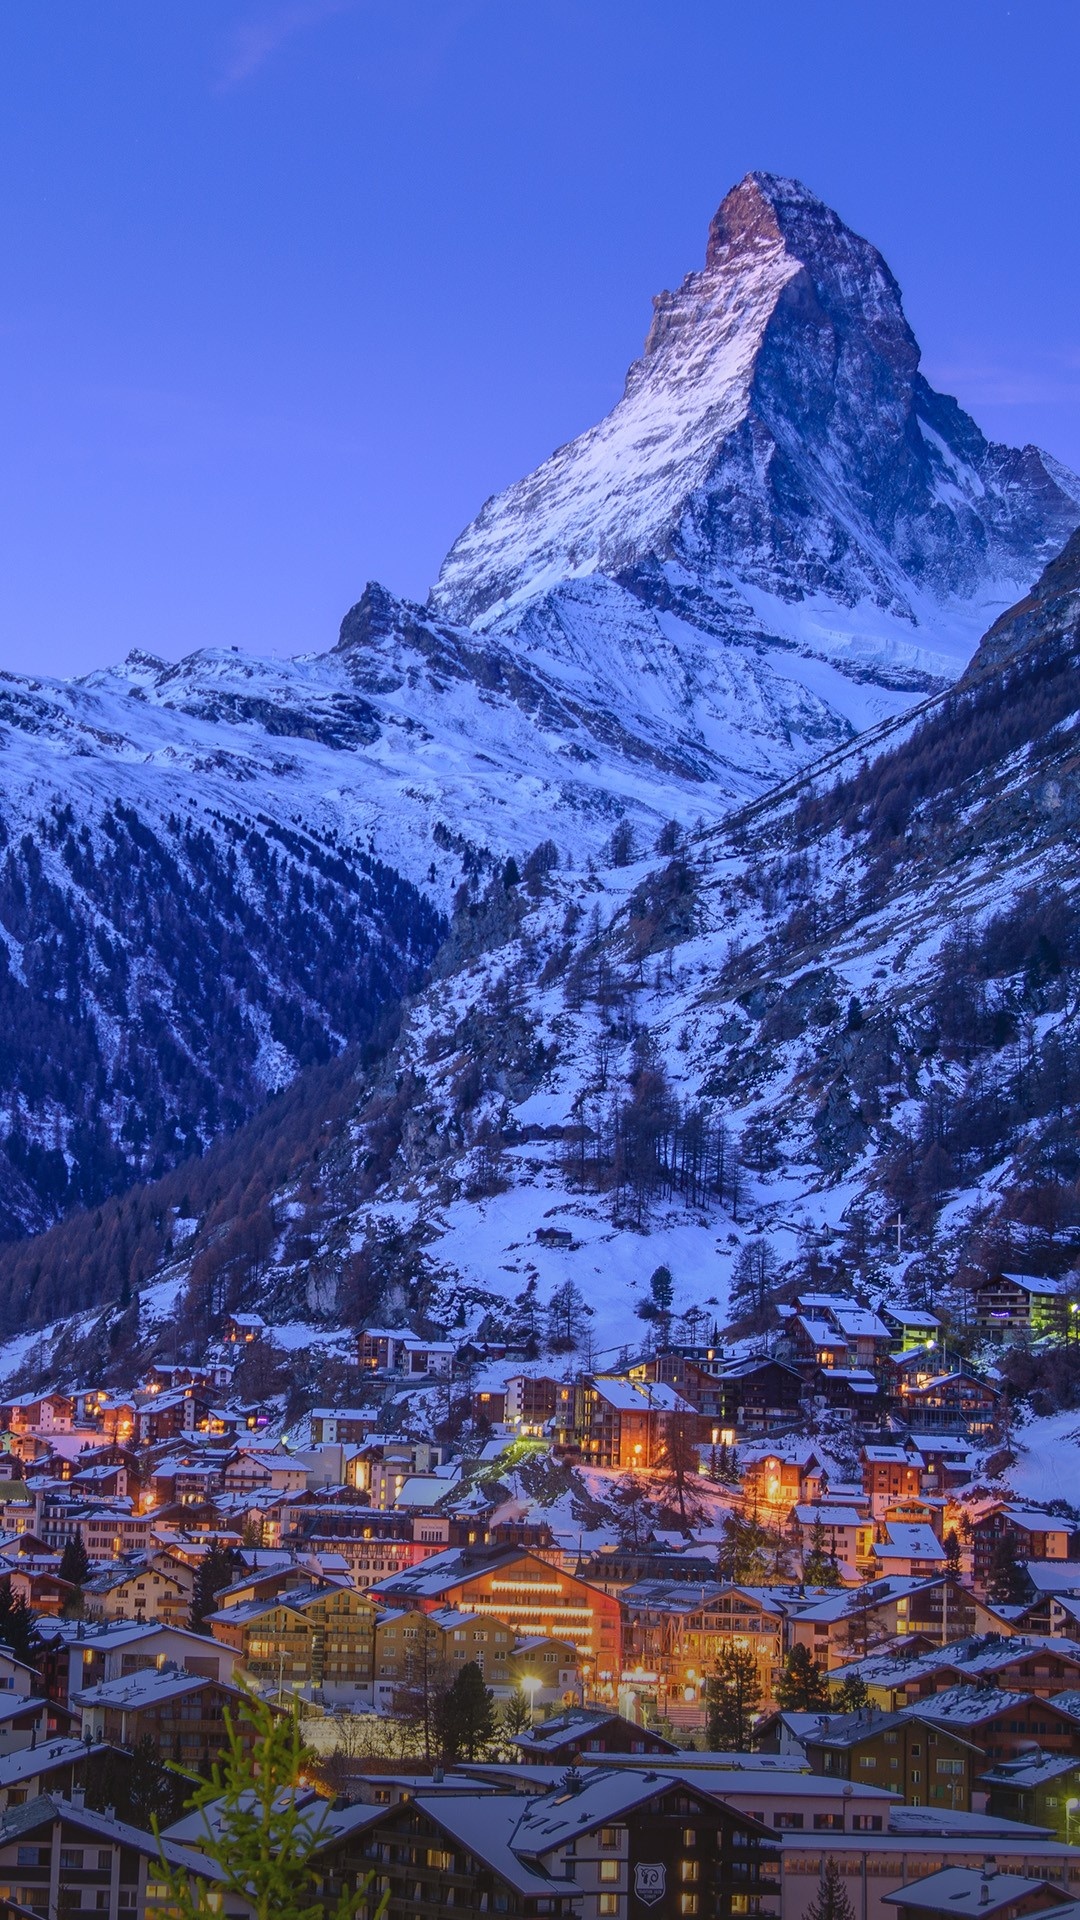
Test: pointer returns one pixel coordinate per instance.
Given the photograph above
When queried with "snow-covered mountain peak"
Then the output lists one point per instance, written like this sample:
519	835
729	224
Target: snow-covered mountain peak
777	470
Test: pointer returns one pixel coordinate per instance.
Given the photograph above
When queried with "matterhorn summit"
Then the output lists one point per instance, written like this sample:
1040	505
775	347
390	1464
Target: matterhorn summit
778	475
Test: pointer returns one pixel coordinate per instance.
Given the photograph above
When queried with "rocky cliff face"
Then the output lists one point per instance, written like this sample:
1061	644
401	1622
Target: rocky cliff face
777	471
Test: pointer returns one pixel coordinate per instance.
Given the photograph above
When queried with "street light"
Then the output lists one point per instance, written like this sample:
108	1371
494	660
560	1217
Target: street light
531	1685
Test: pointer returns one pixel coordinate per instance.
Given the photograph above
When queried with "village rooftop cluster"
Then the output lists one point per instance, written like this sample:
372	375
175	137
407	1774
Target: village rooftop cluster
563	1642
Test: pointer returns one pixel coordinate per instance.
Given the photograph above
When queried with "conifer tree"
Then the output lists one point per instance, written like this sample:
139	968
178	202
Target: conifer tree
802	1687
18	1627
75	1562
852	1694
832	1900
214	1571
819	1567
732	1699
1007	1582
263	1841
465	1716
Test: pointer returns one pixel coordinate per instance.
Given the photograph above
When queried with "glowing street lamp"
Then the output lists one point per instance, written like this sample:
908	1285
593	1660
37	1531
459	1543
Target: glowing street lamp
531	1685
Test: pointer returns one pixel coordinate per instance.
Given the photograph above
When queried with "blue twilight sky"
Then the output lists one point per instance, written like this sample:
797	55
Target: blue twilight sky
290	286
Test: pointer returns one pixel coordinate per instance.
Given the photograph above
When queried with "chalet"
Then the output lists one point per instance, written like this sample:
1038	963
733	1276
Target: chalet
1037	1536
244	1329
890	1473
780	1474
833	1330
971	1891
57	1766
915	1844
906	1753
61	1857
183	1714
137	1593
249	1471
411	1645
42	1413
530	1401
910	1550
1004	1724
1042	1789
754	1395
345	1426
547	1671
1013	1305
843	1533
533	1596
913	1327
396	1350
80	1653
844	1626
673	1631
610	1420
618	1830
955	1402
853	1390
582	1733
109	1530
318	1641
489	1405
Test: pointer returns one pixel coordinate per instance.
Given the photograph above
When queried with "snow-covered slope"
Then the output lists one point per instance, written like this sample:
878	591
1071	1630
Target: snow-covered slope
777	474
853	1004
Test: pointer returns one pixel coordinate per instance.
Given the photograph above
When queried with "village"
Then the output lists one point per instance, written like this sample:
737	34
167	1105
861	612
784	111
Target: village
775	1590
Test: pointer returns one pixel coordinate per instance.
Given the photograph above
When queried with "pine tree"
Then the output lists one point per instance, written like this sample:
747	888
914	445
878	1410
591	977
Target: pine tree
680	1464
466	1716
732	1699
635	1513
515	1715
75	1562
752	1280
214	1571
1007	1582
852	1694
524	1328
566	1316
802	1687
744	1556
832	1900
819	1566
18	1627
263	1838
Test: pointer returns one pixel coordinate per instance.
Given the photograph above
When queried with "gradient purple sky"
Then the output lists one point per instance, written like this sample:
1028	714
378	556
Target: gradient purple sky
291	286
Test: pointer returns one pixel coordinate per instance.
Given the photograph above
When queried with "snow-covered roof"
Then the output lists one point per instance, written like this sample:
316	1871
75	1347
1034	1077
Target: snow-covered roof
1035	1283
829	1516
892	1457
909	1541
859	1323
966	1891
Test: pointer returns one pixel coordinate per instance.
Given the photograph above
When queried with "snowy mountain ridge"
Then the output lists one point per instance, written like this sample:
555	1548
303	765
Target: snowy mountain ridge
778	474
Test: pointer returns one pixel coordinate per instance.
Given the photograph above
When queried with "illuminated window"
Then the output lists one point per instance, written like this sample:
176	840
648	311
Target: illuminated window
609	1869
